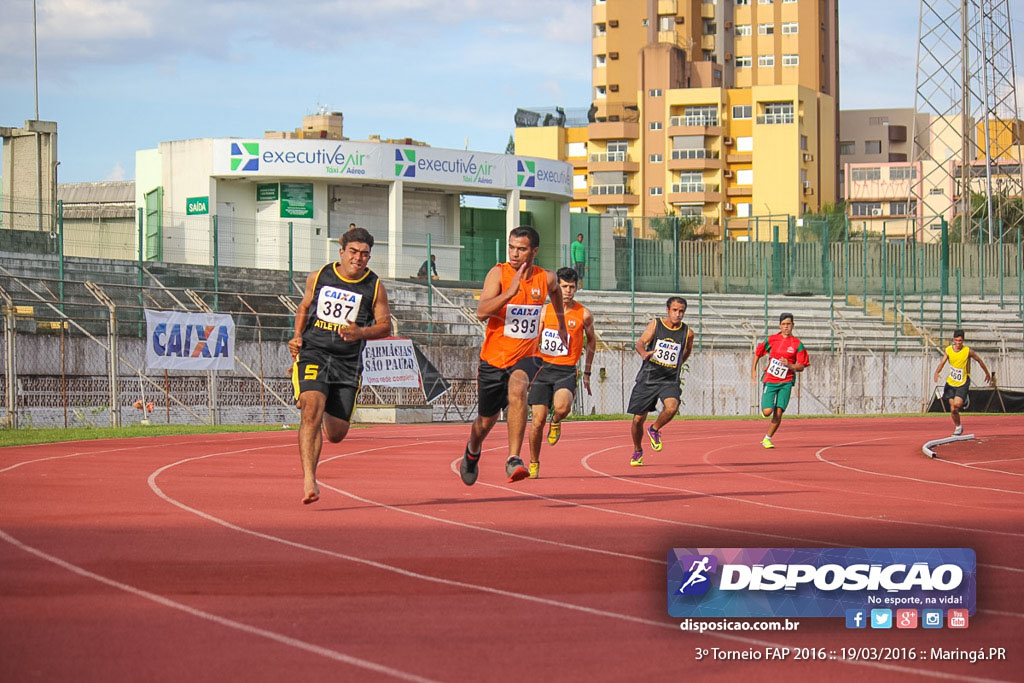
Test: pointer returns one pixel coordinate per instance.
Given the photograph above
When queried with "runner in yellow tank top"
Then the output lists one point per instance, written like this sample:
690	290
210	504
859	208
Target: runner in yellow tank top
958	382
511	302
555	384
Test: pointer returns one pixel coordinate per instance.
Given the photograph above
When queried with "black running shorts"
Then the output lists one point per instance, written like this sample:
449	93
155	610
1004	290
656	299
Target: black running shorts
492	384
644	397
957	392
334	378
549	380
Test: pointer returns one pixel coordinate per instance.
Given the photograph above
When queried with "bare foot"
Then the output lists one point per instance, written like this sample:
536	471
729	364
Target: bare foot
312	495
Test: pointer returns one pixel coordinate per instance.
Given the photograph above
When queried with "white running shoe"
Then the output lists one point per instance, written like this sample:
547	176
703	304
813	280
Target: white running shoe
958	431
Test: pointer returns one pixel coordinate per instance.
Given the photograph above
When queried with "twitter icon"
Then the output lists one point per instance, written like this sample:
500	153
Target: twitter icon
881	618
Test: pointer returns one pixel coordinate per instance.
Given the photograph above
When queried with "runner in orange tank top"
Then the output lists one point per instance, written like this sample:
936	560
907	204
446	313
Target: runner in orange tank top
555	384
511	302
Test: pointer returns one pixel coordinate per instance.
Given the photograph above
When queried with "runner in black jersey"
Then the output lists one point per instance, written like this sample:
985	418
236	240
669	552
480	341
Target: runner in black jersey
344	305
665	345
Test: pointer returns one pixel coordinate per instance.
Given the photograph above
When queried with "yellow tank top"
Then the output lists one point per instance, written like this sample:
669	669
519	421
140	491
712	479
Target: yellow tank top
958	365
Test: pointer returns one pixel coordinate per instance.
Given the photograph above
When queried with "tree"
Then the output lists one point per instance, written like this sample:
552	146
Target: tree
689	227
1006	208
832	215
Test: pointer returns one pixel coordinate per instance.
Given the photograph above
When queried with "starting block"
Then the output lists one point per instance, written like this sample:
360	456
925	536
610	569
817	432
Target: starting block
927	448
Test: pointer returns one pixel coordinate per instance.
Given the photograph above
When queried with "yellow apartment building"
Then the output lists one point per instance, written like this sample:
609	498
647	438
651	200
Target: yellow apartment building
711	109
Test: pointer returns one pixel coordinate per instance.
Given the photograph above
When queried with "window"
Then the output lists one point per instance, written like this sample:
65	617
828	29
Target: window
742	30
699	115
745	176
902	173
745	144
618	147
579	182
600	60
691	178
766	60
599	30
710	28
764	2
655	158
576	149
766	29
790	28
866	208
655	191
742	2
600	92
666	23
656	92
655	125
790	60
788	2
872	146
847	147
902	208
691	210
878	120
741	111
936	190
742	62
743	210
866	173
777	112
803	142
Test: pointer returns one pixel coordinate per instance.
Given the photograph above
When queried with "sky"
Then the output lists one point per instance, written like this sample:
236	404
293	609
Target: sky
124	75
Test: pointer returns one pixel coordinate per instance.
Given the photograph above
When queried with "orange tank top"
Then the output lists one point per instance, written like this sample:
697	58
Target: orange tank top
551	349
512	332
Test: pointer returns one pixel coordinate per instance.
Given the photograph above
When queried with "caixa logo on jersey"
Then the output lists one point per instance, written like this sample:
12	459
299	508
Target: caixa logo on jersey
189	341
817	582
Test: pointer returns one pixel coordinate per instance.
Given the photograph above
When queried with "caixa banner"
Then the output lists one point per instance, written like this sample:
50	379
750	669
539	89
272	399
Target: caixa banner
817	582
189	341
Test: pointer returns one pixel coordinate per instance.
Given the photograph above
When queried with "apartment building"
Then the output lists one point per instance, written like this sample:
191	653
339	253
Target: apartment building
715	109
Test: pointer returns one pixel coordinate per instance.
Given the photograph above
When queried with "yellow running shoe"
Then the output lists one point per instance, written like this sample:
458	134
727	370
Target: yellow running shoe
534	470
554	432
655	436
767	443
637	460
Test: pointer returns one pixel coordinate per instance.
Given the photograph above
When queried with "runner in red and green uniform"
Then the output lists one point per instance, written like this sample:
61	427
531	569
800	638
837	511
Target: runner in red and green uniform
786	356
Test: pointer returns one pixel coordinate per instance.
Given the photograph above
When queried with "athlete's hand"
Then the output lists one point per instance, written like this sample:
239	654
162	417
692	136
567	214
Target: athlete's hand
294	345
350	333
563	334
517	281
936	376
586	384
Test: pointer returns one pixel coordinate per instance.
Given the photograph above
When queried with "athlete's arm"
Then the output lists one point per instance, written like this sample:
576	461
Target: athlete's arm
939	369
295	343
588	330
687	347
555	294
645	339
382	321
492	299
758	352
988	375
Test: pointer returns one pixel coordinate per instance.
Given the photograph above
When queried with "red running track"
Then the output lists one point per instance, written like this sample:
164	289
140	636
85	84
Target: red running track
191	558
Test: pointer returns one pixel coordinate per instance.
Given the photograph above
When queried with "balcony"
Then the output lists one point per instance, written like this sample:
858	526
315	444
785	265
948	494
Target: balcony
580	194
707	10
688	193
707	42
776	119
667	7
740	158
694	160
740	191
610	195
612	161
694	125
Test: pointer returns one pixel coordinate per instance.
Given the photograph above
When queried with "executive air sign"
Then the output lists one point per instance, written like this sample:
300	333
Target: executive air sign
386	162
817	582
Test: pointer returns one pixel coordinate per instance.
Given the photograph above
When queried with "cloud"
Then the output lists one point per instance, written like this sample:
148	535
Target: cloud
117	173
80	33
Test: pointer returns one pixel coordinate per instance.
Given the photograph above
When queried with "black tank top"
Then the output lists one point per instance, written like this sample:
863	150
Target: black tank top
668	345
338	302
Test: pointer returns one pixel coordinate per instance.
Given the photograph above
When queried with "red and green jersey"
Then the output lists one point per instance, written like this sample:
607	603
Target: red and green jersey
780	349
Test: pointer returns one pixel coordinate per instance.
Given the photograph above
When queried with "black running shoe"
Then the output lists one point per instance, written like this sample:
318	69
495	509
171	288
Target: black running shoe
468	467
515	469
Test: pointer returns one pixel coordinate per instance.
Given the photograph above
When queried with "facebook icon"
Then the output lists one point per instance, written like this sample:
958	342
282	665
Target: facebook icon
856	618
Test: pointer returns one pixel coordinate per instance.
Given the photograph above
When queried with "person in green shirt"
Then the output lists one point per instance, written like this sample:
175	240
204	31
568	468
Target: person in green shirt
578	255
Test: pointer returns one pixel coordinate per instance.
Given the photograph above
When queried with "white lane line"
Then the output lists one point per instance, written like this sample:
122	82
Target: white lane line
989	462
222	621
526	597
900	476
